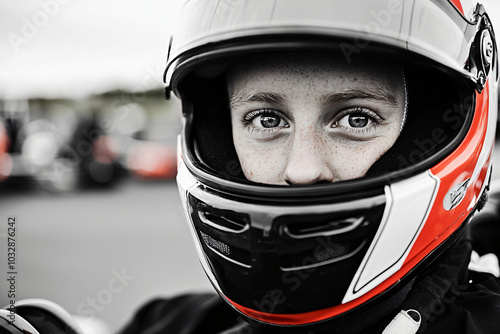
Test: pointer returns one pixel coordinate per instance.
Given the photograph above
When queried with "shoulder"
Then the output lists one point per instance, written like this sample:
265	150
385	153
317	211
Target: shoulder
469	309
188	314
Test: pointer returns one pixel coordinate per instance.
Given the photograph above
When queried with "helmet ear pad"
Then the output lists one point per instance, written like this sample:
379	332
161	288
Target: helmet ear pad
438	106
211	134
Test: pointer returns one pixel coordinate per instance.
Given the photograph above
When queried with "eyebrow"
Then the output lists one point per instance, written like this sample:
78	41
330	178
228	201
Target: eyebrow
267	97
378	94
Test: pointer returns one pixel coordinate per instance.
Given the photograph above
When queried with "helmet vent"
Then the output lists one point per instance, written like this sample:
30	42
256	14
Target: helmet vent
323	254
322	228
221	222
333	251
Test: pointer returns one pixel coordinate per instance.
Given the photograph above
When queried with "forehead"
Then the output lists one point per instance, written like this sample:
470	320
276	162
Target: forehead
292	69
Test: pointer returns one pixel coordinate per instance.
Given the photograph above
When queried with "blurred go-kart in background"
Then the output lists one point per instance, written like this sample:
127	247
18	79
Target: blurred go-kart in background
91	184
64	145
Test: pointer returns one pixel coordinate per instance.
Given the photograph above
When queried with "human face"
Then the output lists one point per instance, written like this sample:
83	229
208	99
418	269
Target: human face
306	118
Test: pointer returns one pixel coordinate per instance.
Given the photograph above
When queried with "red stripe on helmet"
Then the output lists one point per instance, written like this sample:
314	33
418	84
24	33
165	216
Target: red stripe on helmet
458	5
318	315
457	167
295	318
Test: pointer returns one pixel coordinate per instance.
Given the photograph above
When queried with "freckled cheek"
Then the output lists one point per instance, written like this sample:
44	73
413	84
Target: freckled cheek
350	162
262	163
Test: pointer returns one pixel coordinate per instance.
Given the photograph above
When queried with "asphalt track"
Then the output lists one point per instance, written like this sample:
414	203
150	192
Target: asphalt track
100	252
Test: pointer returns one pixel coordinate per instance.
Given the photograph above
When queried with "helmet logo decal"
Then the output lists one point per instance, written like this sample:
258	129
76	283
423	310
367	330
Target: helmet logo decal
482	51
455	195
458	5
487	48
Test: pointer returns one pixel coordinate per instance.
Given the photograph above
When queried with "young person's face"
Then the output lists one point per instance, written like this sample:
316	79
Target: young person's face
303	119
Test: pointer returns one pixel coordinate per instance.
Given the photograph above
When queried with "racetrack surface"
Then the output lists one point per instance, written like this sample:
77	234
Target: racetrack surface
101	252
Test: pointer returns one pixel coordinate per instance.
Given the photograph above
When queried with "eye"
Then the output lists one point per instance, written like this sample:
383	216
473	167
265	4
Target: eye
355	121
270	121
265	118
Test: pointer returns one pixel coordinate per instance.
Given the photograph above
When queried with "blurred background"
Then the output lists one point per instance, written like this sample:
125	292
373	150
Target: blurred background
87	155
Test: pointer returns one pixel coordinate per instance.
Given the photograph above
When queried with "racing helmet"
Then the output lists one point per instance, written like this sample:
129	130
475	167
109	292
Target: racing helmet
309	254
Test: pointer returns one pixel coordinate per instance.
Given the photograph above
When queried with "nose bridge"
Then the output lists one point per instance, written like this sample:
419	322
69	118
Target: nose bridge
308	158
308	141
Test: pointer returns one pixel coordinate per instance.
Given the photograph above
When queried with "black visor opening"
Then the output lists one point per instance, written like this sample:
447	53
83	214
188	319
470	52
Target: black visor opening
440	109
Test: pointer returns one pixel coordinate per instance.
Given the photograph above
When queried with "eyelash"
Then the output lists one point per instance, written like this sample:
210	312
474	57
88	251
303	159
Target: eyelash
252	114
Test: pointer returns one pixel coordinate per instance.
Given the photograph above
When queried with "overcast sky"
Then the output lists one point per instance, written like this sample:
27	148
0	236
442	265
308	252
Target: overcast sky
82	46
73	48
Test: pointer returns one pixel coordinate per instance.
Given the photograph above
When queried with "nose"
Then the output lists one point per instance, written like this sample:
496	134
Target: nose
308	161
